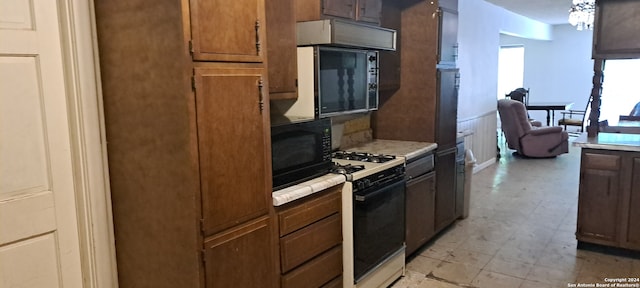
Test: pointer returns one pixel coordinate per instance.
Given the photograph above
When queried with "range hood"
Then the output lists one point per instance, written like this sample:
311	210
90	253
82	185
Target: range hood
345	33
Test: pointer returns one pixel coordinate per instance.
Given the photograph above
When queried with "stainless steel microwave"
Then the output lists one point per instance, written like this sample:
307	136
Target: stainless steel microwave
336	81
300	150
337	68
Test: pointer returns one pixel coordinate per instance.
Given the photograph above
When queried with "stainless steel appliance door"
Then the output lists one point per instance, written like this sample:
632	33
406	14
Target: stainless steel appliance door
378	225
343	81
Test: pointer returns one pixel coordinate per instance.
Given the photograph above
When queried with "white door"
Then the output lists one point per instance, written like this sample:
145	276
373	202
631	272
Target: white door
39	244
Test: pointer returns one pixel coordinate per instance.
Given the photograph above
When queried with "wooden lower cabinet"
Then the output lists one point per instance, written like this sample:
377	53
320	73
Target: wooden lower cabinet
310	232
598	202
632	235
420	198
244	246
445	209
609	195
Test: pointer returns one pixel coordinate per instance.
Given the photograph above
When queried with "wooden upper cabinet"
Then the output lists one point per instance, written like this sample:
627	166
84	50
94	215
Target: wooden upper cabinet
232	31
232	139
359	10
616	33
281	49
339	8
389	78
369	11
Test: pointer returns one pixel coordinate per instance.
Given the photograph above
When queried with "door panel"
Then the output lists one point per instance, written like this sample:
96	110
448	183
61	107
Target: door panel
447	108
228	103
598	192
445	210
38	220
227	37
370	11
419	211
339	8
30	263
633	228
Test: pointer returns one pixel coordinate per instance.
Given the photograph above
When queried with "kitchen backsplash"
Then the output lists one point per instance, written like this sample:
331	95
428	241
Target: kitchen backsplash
356	131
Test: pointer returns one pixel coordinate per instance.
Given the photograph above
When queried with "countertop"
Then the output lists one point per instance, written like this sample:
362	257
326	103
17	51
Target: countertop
304	189
407	149
610	141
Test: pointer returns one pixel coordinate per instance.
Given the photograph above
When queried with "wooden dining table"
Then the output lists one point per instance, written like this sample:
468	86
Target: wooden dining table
550	107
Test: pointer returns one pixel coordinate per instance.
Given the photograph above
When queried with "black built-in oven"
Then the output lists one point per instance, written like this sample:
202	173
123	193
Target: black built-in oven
300	150
378	219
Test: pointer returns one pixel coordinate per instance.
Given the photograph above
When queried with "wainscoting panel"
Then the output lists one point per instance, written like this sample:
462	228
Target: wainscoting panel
483	140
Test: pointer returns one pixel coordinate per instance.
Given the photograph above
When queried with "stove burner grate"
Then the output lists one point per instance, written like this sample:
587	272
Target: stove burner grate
345	169
361	156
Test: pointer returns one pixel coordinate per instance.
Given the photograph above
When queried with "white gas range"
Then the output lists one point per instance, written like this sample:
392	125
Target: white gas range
373	204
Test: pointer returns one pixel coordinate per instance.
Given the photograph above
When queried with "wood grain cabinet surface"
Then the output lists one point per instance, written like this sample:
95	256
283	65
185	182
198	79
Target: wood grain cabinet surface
420	199
369	11
311	240
185	95
616	34
231	31
281	48
608	198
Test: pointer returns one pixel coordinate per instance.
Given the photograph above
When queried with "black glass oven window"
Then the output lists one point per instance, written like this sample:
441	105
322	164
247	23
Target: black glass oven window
293	149
343	80
378	227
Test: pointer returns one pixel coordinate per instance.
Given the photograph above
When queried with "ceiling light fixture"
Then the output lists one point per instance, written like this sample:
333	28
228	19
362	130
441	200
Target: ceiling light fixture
582	13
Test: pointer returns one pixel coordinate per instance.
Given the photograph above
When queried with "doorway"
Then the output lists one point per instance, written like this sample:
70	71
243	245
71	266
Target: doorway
510	69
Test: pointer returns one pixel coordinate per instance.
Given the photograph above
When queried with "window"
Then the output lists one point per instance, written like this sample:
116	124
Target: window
619	89
510	69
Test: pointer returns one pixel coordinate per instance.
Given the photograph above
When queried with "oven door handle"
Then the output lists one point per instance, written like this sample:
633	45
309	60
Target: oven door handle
369	196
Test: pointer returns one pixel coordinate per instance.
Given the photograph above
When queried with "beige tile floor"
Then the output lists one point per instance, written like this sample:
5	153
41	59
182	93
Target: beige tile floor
519	233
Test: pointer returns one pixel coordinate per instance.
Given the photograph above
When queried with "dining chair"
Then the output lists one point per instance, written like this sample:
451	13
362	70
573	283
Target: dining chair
574	117
522	95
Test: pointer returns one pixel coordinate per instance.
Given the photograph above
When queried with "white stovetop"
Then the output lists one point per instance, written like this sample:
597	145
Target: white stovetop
369	167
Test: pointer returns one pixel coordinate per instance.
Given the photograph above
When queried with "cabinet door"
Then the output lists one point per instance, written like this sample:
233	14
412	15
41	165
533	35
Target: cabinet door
598	207
445	188
339	8
616	29
419	211
448	37
370	11
227	30
281	49
240	257
390	60
447	101
232	133
632	237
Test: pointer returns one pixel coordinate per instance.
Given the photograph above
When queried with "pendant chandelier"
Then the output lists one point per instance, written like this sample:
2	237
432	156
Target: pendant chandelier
582	13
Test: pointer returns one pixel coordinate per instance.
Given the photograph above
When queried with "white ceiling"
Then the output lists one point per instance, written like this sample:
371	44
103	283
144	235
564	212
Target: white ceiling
546	11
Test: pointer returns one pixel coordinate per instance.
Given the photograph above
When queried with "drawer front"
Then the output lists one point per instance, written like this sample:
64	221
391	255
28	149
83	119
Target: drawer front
335	283
600	161
317	273
299	215
302	245
420	166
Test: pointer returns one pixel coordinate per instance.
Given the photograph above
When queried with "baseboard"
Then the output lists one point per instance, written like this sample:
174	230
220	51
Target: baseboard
483	165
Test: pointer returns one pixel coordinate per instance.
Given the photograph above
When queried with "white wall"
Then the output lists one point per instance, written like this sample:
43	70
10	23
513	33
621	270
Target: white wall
557	70
479	27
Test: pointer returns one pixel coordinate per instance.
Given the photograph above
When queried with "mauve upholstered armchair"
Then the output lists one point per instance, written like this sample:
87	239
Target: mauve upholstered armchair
528	141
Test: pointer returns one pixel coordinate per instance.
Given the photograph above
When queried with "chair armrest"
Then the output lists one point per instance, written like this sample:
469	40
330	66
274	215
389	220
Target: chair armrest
545	130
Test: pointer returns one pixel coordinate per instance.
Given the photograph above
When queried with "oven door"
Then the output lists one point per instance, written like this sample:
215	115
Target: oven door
378	225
